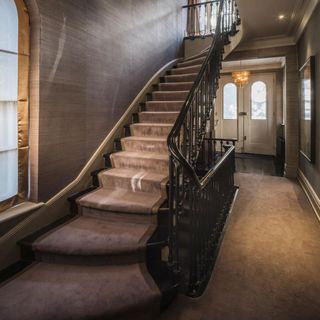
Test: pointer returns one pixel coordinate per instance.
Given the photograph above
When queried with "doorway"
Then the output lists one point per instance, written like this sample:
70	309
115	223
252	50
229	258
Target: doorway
247	114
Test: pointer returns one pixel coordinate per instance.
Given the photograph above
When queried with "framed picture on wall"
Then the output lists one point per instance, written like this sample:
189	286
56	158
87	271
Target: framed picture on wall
307	109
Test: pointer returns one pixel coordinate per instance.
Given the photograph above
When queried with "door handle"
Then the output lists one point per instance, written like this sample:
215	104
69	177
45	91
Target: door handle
243	113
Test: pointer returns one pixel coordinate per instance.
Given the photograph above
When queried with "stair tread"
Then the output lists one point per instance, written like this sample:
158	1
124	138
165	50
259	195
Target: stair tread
165	102
121	200
135	174
137	138
170	92
189	67
86	236
182	75
143	124
160	112
178	83
143	155
138	143
57	291
191	61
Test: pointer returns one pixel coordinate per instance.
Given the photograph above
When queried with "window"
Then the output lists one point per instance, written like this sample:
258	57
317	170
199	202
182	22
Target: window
230	101
258	101
13	102
306	94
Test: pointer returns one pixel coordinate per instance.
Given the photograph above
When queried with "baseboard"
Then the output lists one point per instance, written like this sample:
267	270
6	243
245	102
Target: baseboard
290	171
310	193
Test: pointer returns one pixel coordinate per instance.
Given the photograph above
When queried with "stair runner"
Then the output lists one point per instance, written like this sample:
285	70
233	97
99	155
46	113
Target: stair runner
94	265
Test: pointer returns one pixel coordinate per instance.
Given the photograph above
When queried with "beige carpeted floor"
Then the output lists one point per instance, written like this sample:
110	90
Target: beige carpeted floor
269	263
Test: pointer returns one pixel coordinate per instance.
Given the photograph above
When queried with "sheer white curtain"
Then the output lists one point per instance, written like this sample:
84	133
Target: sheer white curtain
8	99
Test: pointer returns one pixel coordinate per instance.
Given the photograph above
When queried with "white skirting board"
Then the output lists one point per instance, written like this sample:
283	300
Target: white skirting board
310	193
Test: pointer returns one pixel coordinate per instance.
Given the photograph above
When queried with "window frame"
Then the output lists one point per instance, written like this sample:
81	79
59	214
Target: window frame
22	108
266	101
223	101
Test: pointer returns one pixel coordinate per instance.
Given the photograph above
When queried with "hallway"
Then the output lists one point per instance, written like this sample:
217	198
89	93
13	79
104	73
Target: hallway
269	263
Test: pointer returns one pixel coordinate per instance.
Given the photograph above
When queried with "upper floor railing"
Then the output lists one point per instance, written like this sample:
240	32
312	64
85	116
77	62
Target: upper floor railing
200	177
202	17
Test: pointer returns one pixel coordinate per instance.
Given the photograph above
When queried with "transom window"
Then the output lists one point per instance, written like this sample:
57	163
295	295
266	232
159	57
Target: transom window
230	101
258	101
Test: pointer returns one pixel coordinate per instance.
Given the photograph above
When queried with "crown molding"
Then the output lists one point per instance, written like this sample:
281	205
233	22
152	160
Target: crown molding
270	66
312	4
268	42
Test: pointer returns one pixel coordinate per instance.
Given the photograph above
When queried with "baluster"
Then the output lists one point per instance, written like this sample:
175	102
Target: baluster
196	119
215	150
211	18
210	151
195	21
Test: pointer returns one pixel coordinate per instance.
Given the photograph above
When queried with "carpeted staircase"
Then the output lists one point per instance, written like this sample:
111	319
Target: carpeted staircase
95	265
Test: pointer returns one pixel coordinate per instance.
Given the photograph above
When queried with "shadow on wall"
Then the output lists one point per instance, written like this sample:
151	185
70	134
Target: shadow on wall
94	57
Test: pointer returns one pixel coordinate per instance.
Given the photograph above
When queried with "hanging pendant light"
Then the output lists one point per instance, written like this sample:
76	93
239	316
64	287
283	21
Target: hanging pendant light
241	78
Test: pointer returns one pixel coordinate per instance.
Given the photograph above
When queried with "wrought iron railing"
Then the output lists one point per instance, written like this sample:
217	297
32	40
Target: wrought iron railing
201	184
212	150
202	18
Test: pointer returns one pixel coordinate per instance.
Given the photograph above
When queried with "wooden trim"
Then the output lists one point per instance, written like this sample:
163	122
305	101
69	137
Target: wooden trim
310	193
312	4
312	156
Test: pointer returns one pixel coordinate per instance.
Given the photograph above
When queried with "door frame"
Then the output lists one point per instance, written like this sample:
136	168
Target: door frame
240	130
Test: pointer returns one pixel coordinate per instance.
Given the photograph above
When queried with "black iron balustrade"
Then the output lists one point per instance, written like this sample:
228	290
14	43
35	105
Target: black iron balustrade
201	182
212	150
202	17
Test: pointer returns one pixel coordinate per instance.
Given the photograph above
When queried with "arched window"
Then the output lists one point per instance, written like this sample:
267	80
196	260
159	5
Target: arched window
14	58
230	102
258	101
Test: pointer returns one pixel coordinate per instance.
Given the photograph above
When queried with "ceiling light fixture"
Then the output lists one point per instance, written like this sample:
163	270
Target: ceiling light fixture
281	17
241	78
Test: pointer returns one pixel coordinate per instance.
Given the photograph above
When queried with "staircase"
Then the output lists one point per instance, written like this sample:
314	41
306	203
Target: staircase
112	257
93	266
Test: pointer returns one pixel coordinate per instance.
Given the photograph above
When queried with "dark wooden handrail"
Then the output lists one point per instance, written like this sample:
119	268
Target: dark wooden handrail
211	173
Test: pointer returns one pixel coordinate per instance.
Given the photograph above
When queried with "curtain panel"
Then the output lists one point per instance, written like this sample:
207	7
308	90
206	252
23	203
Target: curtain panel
193	22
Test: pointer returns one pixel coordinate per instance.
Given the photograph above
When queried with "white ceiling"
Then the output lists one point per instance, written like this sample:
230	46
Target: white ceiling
261	23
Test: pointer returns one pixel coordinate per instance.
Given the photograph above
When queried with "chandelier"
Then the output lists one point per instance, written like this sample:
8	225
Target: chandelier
241	78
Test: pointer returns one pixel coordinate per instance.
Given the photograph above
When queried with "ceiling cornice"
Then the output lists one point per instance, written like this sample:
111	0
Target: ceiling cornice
257	67
268	42
307	15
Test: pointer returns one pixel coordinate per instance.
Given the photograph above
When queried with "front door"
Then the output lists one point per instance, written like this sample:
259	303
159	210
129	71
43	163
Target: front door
247	114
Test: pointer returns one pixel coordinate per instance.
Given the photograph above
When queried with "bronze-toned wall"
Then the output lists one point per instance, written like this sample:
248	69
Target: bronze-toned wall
309	45
94	57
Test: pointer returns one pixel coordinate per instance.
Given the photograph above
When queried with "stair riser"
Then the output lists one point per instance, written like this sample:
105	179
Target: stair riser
191	63
187	70
175	86
134	185
145	146
169	96
160	106
157	118
152	165
125	258
118	217
148	131
181	78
